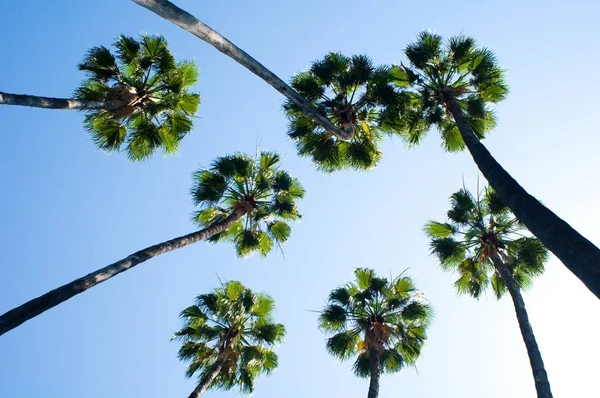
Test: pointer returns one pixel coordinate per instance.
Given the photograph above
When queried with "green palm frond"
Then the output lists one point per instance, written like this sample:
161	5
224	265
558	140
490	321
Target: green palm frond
257	185
362	365
151	107
375	306
392	361
234	324
481	226
342	345
427	50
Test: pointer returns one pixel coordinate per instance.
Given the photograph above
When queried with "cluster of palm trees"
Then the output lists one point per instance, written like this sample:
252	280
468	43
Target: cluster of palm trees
137	99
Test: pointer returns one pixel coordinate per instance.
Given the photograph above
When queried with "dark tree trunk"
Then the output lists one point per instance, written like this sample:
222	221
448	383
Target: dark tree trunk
375	363
54	103
35	307
542	385
578	254
207	381
187	21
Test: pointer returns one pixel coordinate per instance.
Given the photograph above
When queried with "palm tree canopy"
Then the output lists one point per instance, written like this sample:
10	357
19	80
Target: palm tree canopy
235	321
476	228
155	106
371	311
354	95
256	185
460	69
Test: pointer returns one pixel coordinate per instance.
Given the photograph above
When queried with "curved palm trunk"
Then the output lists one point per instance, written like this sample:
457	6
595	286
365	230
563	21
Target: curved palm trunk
35	307
207	381
54	103
375	372
187	21
542	385
577	253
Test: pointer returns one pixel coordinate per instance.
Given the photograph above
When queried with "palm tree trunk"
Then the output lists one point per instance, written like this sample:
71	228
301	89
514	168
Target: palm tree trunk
375	372
187	21
35	307
578	254
542	385
54	103
207	381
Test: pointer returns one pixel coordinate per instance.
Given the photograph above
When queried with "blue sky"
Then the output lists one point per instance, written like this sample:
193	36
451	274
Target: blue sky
67	209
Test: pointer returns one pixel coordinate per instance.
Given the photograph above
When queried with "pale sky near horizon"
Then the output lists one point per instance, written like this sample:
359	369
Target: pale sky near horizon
67	209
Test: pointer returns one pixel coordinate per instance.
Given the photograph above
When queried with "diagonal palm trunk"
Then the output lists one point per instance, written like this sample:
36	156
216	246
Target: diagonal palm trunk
577	253
187	21
35	307
207	381
55	103
375	363
542	385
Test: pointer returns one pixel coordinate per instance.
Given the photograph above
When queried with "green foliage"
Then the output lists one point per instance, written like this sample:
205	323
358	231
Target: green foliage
233	323
478	229
355	95
376	313
436	71
151	106
266	193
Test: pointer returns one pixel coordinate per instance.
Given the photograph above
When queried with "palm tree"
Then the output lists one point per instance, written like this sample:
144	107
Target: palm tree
244	200
353	94
188	22
380	321
138	99
228	336
487	246
451	87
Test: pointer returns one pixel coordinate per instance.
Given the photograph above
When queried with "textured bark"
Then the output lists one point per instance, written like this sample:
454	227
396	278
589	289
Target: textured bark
375	363
35	307
542	385
187	21
54	103
577	253
203	386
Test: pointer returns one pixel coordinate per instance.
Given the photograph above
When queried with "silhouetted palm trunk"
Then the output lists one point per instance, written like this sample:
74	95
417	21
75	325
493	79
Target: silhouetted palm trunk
207	381
54	103
578	254
35	307
187	21
375	364
542	385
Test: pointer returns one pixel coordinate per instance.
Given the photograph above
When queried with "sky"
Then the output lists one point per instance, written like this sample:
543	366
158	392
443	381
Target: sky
67	209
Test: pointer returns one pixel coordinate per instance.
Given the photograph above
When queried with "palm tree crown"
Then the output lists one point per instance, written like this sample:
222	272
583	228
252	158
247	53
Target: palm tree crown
233	324
266	195
353	94
376	313
461	70
150	89
477	229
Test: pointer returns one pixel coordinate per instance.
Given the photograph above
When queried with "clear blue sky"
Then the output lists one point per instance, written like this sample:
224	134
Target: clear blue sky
67	209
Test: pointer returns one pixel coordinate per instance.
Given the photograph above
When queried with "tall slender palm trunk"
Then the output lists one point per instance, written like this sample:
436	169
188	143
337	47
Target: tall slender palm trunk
577	253
187	21
35	307
375	364
55	103
207	381
542	385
